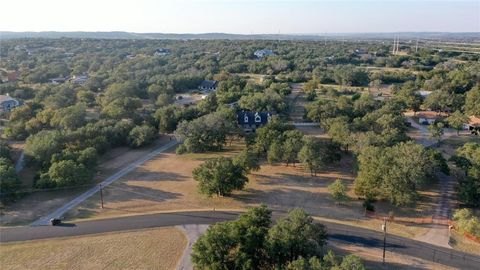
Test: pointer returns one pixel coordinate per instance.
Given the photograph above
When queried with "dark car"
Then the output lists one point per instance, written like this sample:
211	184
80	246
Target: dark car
55	221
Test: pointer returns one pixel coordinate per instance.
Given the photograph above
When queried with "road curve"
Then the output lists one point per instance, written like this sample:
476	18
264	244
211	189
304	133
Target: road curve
45	220
354	235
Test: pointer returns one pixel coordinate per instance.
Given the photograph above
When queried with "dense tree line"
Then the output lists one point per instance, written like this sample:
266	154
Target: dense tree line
253	242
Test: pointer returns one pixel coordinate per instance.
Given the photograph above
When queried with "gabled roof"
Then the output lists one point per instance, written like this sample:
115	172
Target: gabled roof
208	84
252	118
5	98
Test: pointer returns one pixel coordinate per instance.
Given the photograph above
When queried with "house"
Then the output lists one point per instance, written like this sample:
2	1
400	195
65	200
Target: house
250	121
162	52
208	85
473	125
58	80
428	117
9	75
424	93
360	51
79	79
263	53
7	103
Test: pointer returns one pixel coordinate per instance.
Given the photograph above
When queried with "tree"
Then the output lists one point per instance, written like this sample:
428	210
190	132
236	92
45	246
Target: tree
208	132
292	145
339	131
219	176
43	145
472	101
238	244
436	131
247	160
457	120
467	221
275	152
295	236
338	190
65	173
394	173
142	135
70	118
9	181
310	155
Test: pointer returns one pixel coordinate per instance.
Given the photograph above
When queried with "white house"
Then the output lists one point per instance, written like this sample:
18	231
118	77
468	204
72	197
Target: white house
428	117
79	79
7	103
162	52
263	53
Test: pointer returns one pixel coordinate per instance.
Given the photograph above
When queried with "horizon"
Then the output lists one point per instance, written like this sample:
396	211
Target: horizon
245	17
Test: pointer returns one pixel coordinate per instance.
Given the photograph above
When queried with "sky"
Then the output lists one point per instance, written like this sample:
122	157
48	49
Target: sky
242	16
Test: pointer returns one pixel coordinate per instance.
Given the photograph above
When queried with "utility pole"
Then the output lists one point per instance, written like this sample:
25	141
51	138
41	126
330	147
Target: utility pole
101	194
384	229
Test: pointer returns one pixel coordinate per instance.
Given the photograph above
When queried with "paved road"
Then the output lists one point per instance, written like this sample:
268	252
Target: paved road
20	163
45	220
350	234
437	234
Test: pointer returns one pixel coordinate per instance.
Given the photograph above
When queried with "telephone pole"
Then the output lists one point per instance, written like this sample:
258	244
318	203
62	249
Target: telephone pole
101	194
384	229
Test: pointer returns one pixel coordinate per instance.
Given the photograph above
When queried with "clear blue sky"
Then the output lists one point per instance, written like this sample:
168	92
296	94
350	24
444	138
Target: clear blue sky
241	16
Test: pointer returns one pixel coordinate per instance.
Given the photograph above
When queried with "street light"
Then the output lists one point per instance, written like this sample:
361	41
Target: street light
384	229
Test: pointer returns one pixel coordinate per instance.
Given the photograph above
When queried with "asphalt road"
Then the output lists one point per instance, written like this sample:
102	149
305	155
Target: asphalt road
354	235
45	220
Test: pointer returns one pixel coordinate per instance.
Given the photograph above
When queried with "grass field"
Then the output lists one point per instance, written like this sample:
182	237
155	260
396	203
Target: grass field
165	184
145	249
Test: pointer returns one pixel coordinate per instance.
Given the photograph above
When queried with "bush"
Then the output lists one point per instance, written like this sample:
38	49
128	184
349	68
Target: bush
467	221
338	190
141	135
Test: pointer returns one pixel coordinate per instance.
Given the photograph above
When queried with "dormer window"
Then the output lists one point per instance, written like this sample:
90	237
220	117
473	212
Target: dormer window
258	119
245	118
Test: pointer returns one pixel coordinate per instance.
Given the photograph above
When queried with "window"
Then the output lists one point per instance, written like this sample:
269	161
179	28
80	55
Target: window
258	119
245	118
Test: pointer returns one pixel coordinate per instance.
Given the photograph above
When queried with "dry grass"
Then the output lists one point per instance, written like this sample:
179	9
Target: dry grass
460	242
146	249
165	184
448	146
373	257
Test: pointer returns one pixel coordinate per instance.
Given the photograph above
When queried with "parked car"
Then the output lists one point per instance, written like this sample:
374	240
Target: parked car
55	221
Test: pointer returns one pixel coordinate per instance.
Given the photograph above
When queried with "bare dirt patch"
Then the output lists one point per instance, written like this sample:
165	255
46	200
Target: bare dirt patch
145	249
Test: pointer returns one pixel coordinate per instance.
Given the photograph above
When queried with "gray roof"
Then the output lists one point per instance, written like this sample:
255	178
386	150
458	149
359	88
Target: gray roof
5	98
208	84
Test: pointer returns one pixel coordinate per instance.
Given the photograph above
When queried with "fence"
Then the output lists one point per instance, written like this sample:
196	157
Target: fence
412	248
426	220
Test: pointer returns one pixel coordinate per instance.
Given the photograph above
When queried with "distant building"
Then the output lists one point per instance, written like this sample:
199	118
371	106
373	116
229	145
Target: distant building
424	93
9	75
360	51
251	121
263	53
473	125
162	52
58	80
208	85
79	79
7	103
428	117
